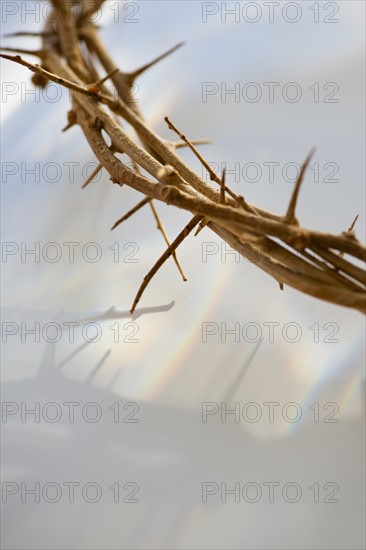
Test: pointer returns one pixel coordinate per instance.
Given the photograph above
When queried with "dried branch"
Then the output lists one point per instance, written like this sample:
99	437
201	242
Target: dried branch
166	238
321	265
169	251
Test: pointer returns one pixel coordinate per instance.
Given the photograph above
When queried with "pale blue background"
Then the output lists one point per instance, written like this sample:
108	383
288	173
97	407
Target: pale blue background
170	371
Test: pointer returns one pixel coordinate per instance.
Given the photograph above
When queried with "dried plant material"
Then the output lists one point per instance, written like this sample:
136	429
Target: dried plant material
166	238
290	214
309	261
94	173
169	251
131	212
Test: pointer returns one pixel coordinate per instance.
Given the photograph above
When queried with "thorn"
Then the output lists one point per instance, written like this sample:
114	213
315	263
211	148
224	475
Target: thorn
92	175
168	252
71	120
350	233
94	86
38	53
350	229
131	212
222	188
203	224
290	217
133	75
166	238
189	144
181	144
213	176
25	33
281	286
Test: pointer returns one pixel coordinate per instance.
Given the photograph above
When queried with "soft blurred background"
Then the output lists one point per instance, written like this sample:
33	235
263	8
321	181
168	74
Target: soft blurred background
158	359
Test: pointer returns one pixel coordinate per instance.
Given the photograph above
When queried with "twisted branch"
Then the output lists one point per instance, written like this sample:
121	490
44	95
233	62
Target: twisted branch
309	261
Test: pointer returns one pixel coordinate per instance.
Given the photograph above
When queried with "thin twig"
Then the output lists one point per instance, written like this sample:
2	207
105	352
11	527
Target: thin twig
27	33
92	175
181	144
222	187
137	72
131	212
37	53
189	144
182	235
166	238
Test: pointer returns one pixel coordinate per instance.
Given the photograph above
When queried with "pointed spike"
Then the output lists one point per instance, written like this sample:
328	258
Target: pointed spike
71	120
92	175
222	187
180	144
102	80
203	224
26	33
37	53
161	228
68	126
349	233
131	212
133	75
350	229
213	176
168	252
290	217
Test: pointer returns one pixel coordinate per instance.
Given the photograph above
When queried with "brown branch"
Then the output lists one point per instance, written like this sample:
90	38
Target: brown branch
82	89
239	221
189	144
37	53
181	144
69	39
309	261
166	238
169	251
